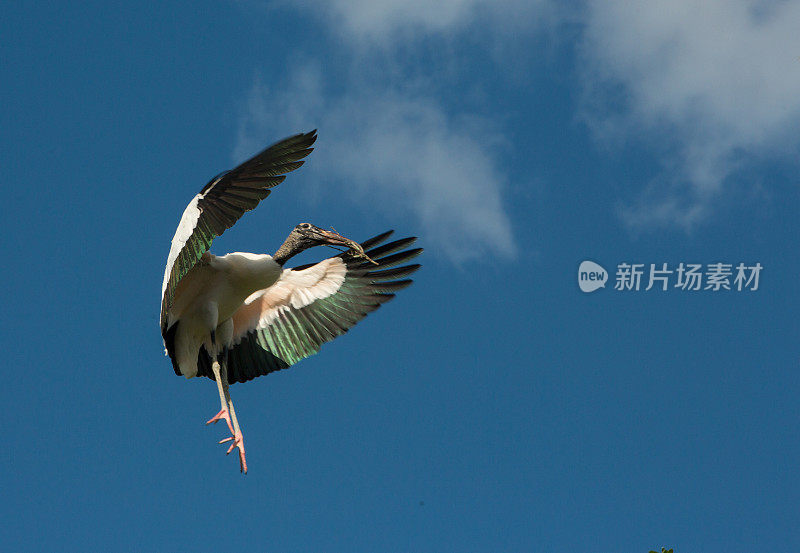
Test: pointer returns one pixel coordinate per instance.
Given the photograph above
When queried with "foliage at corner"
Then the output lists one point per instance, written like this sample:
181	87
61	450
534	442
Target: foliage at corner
663	550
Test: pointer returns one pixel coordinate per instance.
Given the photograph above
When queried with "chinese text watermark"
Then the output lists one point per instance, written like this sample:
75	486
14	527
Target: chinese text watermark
661	276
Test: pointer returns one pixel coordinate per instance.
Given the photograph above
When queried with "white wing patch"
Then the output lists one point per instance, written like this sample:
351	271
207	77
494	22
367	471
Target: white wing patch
185	228
294	290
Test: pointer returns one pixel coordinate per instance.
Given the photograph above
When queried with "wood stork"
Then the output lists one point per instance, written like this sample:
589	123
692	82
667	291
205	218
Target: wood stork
242	315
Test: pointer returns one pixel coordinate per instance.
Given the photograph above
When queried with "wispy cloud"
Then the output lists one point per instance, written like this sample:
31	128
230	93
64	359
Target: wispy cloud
398	146
389	128
384	22
708	86
711	84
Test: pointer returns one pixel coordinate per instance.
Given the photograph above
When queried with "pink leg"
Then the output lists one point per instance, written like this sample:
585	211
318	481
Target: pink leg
223	413
229	414
237	437
238	441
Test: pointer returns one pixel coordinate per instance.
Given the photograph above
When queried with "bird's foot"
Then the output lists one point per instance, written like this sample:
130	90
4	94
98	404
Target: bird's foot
237	441
223	414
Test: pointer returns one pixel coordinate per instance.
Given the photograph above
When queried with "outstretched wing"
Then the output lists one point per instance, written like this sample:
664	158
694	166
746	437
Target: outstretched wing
222	201
311	305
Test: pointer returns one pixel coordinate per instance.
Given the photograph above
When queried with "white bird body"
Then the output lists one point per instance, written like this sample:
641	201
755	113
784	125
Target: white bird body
208	296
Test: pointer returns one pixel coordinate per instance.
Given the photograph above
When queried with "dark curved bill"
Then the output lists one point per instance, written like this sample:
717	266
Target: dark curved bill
335	239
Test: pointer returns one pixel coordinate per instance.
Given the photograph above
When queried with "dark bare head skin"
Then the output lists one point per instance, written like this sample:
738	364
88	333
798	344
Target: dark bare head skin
306	235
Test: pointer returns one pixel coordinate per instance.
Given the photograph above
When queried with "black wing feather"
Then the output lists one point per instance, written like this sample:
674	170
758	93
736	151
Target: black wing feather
223	201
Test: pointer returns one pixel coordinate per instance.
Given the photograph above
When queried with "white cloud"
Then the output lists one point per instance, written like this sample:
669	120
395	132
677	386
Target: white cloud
378	17
384	21
711	83
398	146
710	86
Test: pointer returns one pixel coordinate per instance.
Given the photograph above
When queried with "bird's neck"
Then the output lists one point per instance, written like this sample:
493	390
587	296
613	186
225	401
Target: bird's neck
288	250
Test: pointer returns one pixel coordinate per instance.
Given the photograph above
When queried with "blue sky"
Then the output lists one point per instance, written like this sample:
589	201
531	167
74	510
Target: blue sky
493	406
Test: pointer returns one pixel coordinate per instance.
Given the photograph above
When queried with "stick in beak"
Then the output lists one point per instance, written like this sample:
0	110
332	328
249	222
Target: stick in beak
336	239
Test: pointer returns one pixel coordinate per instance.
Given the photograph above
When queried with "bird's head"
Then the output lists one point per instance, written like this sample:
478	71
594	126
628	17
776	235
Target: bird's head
306	235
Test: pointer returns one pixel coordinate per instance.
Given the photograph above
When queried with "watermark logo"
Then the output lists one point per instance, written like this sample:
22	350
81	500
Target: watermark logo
591	276
691	277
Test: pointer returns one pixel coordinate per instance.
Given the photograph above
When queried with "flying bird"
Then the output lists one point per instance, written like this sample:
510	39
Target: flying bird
234	317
